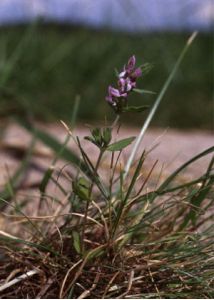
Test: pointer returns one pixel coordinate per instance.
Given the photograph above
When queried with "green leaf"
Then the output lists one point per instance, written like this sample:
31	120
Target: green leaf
168	180
116	72
107	135
14	182
96	133
81	188
48	174
135	108
200	196
45	179
120	144
100	137
94	253
146	68
56	146
19	241
90	139
141	91
76	241
96	137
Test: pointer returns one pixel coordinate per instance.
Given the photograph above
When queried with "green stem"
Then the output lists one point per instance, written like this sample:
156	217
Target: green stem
115	121
88	201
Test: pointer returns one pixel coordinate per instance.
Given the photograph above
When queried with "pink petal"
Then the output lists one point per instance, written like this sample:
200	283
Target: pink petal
122	83
137	73
131	63
113	92
129	86
122	74
124	95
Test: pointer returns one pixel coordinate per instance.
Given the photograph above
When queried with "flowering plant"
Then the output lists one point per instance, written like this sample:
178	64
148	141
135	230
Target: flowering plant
127	82
114	234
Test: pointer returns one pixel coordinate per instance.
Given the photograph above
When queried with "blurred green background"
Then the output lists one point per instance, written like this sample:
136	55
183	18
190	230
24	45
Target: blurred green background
44	68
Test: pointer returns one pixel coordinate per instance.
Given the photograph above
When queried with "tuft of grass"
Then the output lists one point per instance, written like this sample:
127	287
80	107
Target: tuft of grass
124	244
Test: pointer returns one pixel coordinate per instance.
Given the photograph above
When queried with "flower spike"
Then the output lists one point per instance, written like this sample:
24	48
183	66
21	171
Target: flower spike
117	97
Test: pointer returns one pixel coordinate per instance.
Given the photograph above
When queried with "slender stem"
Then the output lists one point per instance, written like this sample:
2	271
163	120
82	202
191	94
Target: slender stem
115	121
95	170
88	201
91	187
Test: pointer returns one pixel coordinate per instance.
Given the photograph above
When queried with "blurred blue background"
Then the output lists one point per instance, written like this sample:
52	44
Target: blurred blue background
128	15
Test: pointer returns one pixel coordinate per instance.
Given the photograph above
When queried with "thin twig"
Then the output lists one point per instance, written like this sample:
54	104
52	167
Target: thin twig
131	277
86	293
66	277
109	284
18	279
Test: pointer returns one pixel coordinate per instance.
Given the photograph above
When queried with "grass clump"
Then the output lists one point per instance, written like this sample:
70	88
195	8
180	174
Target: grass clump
124	242
113	233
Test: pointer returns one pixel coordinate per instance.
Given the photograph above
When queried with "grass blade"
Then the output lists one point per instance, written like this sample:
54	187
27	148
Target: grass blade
181	168
49	172
56	146
157	102
197	199
5	194
124	201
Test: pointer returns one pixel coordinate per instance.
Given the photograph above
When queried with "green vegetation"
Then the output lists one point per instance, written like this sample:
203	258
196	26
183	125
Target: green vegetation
108	236
104	247
46	67
118	232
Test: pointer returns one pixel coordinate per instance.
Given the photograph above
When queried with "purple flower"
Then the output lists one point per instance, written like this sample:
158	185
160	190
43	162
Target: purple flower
113	92
125	84
131	64
136	73
117	97
114	95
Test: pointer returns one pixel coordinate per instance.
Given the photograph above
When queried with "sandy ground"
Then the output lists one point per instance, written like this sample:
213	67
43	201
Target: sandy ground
172	148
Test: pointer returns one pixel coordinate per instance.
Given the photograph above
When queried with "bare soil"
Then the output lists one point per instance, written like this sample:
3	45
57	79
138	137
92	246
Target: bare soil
170	147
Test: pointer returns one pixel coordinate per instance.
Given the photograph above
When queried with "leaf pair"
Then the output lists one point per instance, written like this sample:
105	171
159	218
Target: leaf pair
100	137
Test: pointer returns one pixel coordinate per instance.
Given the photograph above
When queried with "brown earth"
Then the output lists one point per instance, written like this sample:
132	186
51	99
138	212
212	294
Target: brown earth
170	147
